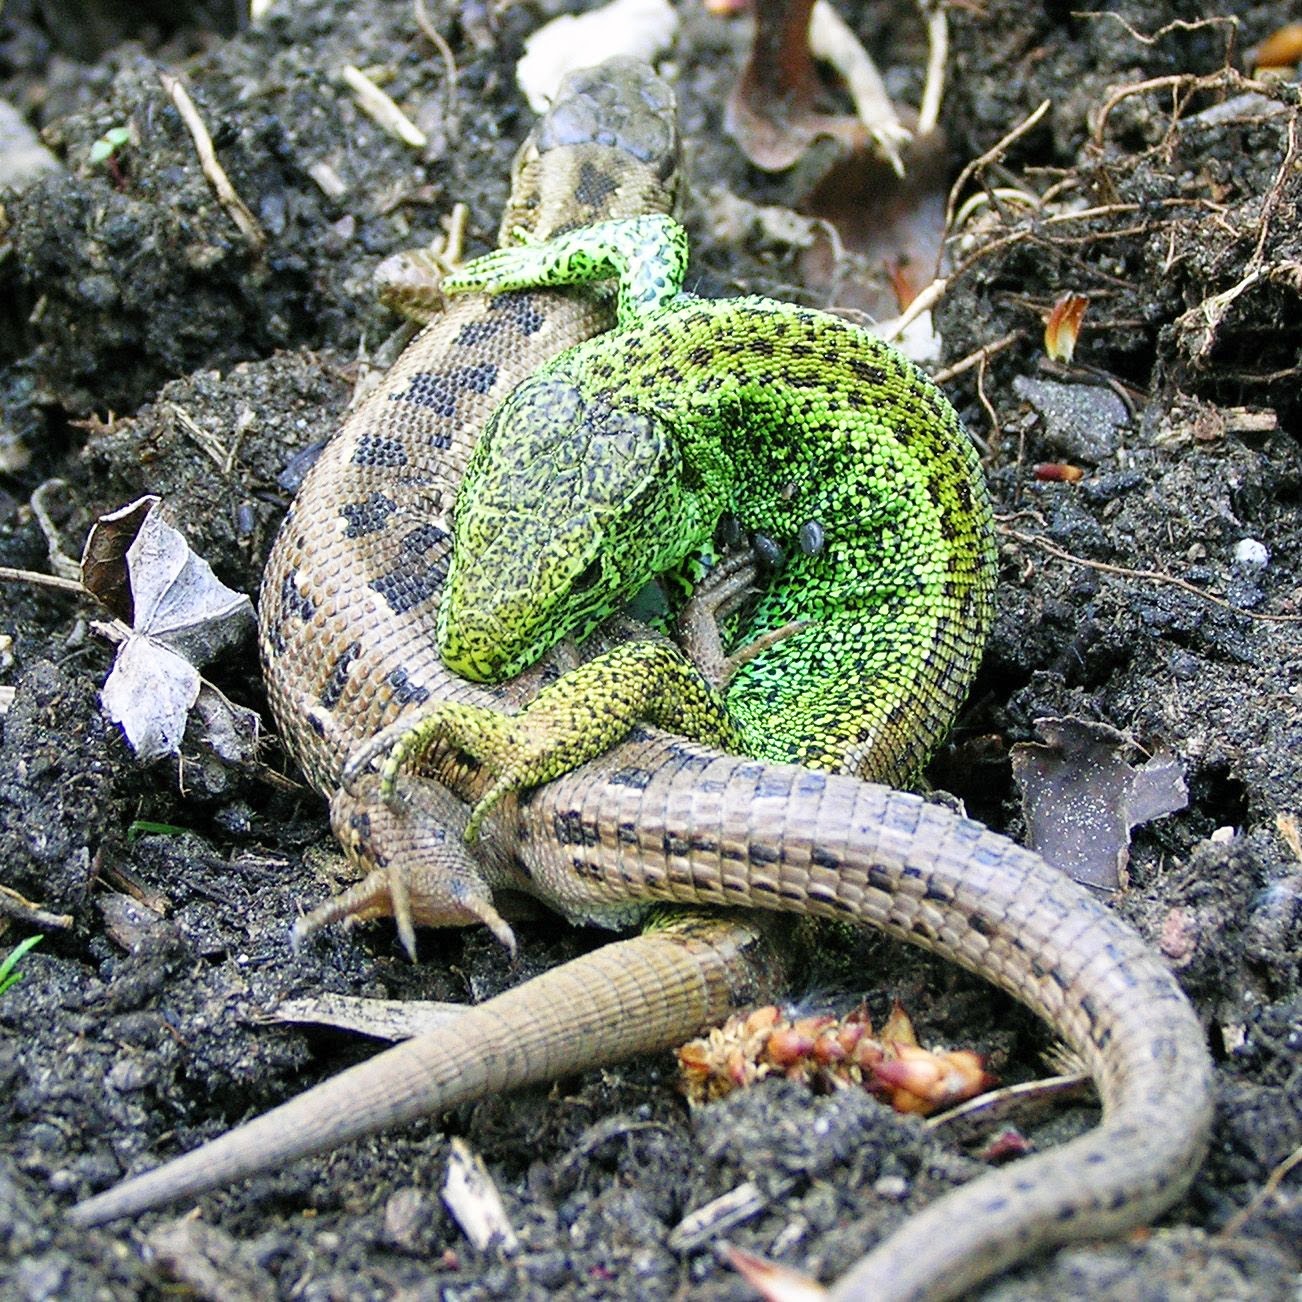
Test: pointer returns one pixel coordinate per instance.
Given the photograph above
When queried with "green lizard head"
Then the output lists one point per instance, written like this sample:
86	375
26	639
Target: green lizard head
569	506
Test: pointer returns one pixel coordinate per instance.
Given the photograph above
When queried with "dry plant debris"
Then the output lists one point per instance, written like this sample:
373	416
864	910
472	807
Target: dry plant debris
830	1053
172	615
1081	797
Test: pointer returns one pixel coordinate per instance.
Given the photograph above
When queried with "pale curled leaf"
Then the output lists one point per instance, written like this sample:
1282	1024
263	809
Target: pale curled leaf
144	571
149	692
181	616
179	601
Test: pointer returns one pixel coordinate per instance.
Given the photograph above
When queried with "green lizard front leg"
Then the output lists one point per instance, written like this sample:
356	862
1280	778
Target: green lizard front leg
646	256
636	681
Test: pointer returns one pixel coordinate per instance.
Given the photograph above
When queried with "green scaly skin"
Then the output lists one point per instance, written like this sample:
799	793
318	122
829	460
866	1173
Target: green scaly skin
617	460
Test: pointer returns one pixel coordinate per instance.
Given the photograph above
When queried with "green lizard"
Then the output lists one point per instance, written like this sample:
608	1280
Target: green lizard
617	460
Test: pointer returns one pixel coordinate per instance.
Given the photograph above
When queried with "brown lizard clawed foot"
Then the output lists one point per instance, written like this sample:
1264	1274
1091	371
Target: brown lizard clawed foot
722	592
421	872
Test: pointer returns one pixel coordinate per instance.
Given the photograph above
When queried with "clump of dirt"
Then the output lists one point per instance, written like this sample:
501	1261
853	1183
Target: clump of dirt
147	346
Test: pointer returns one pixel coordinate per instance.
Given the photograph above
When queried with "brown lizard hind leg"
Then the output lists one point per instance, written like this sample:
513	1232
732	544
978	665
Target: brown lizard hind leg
419	870
717	597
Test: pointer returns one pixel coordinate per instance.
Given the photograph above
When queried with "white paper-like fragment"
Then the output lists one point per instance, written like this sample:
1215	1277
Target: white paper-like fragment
475	1203
643	29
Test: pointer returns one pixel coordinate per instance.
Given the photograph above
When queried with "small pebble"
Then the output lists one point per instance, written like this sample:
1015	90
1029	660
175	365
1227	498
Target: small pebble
407	1218
891	1186
1251	554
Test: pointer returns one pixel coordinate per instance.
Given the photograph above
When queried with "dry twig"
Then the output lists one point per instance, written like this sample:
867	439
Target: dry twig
381	109
436	39
1150	576
39	580
995	151
226	193
13	905
1267	1190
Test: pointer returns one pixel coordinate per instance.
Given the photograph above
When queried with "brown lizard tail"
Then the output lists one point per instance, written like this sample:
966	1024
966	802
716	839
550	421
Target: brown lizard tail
660	819
659	988
682	823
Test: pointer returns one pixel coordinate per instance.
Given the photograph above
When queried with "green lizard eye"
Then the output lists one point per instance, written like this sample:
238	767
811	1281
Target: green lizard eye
588	577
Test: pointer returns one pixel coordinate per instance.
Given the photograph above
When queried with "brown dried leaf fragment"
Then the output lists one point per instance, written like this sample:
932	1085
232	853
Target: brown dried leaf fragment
1281	49
1058	472
1062	328
774	112
1081	797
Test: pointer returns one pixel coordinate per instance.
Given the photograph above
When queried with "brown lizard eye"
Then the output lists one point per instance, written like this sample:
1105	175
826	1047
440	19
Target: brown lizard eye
588	577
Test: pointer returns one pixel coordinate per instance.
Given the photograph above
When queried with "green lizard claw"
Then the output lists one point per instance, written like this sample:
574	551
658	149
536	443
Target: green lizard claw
496	741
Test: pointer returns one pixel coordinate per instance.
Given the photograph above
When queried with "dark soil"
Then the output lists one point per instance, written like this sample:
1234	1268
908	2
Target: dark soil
132	311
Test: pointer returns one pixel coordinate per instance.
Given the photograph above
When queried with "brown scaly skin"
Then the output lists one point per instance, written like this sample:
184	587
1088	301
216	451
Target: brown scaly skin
659	819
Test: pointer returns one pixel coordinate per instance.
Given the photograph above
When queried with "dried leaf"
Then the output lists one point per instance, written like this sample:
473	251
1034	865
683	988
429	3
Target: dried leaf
181	616
1081	798
149	692
382	1019
1281	49
104	560
1062	329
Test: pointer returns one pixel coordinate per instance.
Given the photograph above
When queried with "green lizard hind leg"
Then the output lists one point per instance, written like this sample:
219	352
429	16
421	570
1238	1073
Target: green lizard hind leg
571	721
647	255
